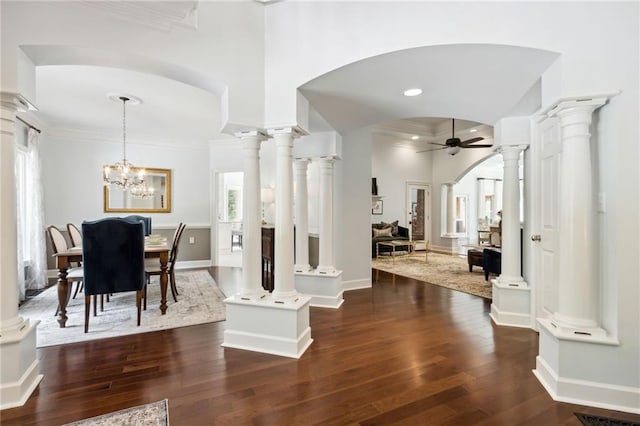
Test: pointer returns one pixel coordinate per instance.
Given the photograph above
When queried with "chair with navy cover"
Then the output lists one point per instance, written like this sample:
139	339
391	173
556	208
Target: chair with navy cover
145	219
113	260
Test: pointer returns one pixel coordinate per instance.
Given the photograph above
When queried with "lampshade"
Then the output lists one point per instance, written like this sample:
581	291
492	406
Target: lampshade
267	195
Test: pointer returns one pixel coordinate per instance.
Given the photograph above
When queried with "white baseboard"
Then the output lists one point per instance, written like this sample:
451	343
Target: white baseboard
318	301
509	319
193	264
290	348
356	284
583	392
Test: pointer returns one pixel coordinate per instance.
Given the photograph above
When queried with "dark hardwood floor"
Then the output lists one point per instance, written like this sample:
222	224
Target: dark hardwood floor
402	352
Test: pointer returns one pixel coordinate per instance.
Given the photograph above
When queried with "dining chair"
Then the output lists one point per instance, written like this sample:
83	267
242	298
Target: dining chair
144	219
75	235
59	244
152	266
113	257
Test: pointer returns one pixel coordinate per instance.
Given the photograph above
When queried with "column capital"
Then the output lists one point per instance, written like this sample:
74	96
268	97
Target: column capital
294	131
15	102
259	134
586	103
511	152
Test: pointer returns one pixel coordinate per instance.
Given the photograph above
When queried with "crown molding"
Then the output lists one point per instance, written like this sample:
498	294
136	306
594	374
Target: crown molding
162	16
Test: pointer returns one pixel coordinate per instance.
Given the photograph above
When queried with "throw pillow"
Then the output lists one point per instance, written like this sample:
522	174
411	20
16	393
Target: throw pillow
393	226
386	232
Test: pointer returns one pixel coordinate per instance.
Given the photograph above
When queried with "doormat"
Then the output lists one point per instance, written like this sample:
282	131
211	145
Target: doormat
590	420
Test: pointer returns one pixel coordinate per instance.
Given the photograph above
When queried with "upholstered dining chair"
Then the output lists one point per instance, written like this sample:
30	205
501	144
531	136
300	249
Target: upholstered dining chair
144	219
59	244
113	258
152	266
75	235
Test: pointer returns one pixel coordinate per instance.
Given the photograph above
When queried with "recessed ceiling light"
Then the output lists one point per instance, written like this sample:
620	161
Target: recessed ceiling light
413	92
473	130
415	138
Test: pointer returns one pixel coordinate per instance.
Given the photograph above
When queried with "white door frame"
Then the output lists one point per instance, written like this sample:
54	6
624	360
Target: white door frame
215	221
409	185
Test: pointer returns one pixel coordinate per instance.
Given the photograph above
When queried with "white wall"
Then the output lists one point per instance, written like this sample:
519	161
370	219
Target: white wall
72	179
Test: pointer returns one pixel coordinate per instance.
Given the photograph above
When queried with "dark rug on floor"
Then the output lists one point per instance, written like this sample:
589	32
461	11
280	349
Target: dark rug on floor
589	420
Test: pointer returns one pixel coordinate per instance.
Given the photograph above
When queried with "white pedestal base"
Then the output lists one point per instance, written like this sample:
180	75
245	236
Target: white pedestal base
19	373
325	289
511	303
571	367
268	325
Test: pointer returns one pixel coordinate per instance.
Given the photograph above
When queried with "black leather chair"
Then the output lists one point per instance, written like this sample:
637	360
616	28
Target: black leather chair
491	262
113	260
144	219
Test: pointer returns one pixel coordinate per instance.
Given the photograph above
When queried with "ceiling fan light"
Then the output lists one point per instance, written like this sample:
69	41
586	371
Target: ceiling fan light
413	92
453	150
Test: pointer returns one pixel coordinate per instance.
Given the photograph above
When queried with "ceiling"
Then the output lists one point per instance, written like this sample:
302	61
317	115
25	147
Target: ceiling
476	84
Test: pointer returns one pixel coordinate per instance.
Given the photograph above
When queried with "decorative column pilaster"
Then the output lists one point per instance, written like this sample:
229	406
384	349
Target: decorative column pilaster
302	216
511	254
578	288
284	284
19	364
251	284
325	249
451	206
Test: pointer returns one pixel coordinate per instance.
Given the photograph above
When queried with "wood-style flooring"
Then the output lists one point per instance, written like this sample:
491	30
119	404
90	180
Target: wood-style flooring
402	352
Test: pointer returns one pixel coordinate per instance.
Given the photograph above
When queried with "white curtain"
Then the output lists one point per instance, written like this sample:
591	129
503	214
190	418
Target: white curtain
30	217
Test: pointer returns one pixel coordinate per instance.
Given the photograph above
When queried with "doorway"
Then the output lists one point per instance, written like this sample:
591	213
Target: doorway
418	212
229	217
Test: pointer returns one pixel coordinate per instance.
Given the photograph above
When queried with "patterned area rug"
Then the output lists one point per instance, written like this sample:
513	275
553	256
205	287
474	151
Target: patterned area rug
442	270
153	414
590	420
200	301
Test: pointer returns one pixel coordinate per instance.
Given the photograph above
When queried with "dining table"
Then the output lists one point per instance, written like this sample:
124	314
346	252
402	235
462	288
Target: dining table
65	258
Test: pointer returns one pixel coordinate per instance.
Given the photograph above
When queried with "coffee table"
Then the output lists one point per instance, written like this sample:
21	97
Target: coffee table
393	245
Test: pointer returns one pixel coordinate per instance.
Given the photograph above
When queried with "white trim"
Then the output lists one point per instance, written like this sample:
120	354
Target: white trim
588	393
192	264
266	344
509	319
356	284
331	302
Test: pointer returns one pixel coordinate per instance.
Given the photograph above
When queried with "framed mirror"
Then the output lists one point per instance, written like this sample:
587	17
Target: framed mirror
155	199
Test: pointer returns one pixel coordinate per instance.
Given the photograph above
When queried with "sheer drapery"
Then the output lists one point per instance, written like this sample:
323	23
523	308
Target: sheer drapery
30	218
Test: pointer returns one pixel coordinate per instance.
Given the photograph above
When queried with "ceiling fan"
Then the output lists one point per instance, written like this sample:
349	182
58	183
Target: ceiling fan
453	144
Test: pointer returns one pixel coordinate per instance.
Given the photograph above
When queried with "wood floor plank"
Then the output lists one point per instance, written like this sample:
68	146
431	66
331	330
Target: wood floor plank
402	352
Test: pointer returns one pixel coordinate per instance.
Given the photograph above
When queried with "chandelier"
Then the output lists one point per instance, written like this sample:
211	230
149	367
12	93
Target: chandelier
124	175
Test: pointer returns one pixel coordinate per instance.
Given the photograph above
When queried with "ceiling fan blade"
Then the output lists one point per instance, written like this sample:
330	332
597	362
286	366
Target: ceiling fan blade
436	143
477	146
470	141
432	149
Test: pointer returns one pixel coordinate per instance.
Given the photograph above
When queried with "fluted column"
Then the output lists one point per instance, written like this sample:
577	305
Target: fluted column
325	249
10	321
451	206
578	288
284	284
302	216
251	284
511	254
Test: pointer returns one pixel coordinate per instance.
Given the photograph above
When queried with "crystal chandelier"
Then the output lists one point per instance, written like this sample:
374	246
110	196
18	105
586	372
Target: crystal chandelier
142	191
122	174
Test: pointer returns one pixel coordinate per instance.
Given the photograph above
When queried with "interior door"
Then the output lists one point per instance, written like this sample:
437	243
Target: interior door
546	246
418	212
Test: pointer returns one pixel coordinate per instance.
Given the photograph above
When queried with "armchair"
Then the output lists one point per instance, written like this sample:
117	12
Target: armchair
113	257
146	220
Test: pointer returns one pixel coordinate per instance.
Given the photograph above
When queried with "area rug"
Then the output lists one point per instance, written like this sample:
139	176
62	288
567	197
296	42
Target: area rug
152	414
440	269
200	301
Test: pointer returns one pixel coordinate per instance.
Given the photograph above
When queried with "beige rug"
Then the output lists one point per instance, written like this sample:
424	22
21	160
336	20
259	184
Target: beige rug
442	270
200	301
153	414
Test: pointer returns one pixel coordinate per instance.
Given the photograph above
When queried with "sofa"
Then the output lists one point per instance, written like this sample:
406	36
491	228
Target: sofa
387	232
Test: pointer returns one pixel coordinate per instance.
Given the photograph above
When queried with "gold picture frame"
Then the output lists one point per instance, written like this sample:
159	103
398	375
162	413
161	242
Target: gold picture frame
115	200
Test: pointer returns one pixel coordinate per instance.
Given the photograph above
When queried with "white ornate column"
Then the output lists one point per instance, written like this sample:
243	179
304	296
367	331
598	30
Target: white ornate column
451	206
276	323
19	372
251	214
578	289
511	253
302	216
284	284
325	249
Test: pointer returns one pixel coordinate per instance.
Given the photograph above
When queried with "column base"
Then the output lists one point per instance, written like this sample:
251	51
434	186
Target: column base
19	375
268	325
565	381
324	289
301	268
511	303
